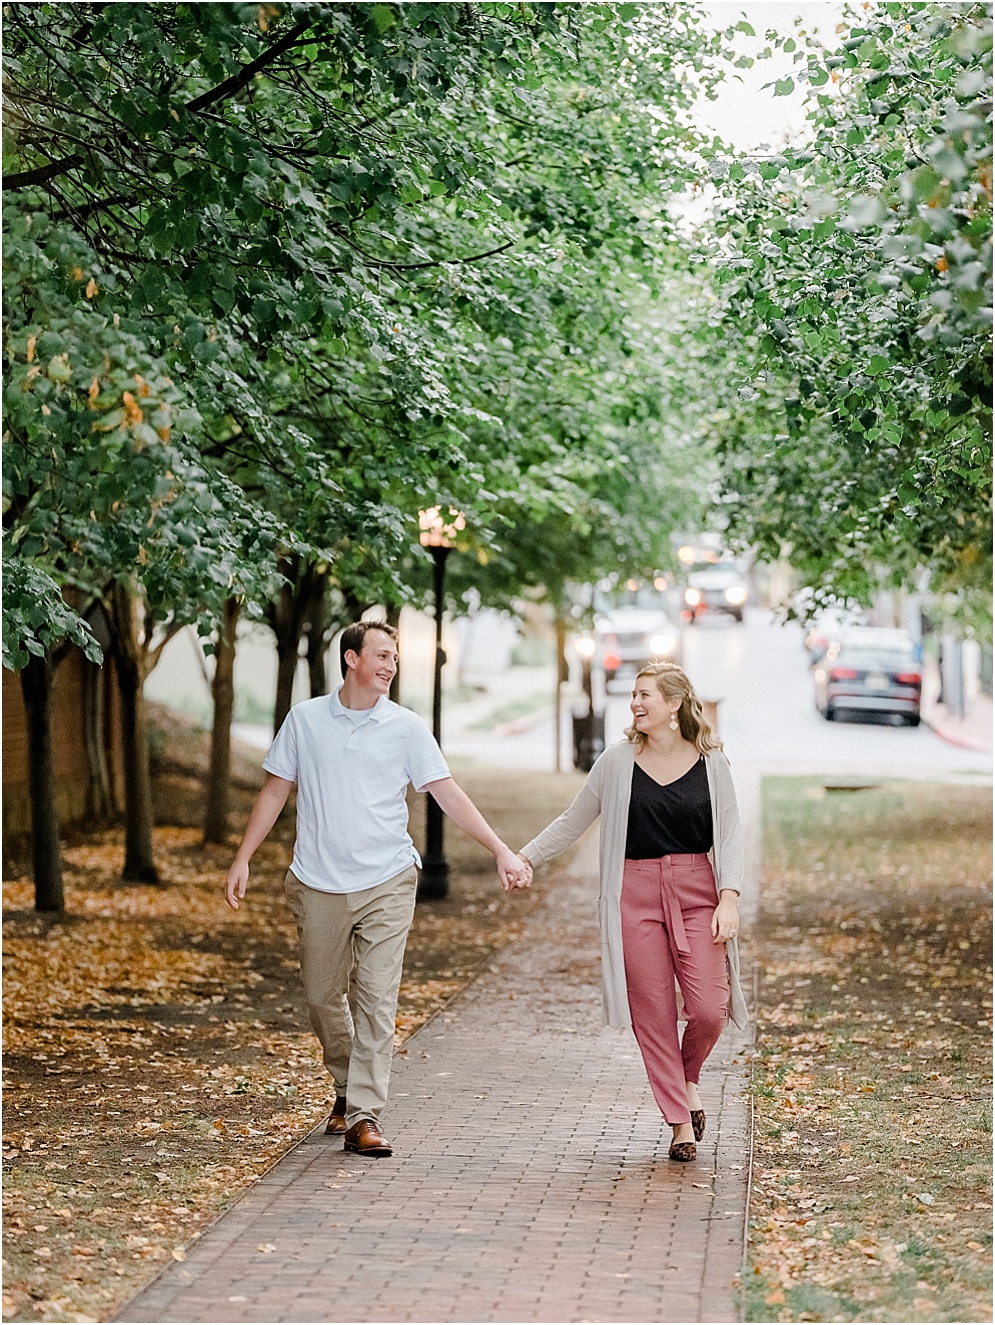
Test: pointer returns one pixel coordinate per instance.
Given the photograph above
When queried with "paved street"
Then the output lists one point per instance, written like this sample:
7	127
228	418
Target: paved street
530	1180
767	717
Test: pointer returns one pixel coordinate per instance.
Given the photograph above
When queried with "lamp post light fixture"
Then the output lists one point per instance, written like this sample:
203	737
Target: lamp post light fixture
438	534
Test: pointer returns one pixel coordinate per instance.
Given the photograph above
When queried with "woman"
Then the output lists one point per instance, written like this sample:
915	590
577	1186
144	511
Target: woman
671	864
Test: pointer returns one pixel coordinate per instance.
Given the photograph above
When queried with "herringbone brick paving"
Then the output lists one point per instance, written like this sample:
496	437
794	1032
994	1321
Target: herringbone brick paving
530	1179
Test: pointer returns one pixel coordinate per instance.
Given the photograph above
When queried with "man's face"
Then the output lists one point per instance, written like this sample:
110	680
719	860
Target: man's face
374	668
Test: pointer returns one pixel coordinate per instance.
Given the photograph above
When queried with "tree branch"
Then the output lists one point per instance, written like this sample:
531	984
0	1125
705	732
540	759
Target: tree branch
23	179
248	71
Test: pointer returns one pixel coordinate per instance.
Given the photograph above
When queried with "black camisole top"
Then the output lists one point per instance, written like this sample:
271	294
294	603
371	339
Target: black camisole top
674	820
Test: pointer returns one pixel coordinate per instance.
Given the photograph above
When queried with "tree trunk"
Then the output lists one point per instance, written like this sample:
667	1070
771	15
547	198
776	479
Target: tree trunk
100	807
562	674
139	865
354	607
394	619
317	627
287	622
286	670
223	691
36	686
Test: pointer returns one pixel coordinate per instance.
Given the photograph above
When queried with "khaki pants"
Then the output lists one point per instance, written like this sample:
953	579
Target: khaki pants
351	950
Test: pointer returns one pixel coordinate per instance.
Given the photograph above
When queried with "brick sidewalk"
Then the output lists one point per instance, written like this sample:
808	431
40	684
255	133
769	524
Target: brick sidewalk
530	1179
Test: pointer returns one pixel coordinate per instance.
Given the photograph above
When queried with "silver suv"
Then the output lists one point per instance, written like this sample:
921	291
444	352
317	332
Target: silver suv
636	628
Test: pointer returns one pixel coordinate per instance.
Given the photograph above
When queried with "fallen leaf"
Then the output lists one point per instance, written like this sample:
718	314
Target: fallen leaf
266	1247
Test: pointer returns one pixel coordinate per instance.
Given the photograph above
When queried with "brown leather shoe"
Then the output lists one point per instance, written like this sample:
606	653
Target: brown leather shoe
336	1119
366	1138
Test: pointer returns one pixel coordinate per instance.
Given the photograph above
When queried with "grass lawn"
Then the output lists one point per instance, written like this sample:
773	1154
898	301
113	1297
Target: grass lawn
872	1081
158	1056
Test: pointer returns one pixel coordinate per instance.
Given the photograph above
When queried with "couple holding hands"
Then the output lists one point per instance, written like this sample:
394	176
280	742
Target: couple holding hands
671	866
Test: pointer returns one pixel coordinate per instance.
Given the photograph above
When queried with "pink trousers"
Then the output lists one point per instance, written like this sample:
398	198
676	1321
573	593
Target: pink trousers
667	908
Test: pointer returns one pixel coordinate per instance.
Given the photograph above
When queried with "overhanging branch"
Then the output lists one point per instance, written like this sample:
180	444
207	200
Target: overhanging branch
23	179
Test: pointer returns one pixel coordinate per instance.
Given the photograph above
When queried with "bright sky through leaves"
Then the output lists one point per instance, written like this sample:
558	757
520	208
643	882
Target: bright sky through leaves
745	114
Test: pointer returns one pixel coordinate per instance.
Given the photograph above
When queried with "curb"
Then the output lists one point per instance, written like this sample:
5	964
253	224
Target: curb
955	738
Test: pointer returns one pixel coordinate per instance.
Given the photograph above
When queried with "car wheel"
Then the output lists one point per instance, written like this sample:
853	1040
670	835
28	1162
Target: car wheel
739	617
912	719
829	713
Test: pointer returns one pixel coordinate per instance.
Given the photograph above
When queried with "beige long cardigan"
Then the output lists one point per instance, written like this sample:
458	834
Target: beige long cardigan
606	793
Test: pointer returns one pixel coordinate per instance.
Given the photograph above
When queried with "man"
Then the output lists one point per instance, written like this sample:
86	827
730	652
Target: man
352	881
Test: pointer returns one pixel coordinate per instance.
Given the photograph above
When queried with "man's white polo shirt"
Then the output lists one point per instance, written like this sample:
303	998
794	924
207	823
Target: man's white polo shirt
352	768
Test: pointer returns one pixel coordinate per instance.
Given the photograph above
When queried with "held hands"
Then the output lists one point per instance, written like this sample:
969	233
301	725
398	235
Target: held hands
514	871
725	917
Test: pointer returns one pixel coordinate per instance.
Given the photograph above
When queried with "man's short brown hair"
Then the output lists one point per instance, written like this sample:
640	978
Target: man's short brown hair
354	637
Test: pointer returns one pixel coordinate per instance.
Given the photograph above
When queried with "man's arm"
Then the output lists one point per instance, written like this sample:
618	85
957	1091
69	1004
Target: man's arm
265	813
512	871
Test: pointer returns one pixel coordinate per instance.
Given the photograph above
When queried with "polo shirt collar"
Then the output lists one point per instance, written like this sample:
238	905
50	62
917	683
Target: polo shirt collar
378	712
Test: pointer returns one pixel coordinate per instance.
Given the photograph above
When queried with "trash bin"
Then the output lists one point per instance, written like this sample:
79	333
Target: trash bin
589	738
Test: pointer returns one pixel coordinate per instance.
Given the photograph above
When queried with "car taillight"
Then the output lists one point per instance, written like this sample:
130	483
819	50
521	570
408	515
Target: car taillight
843	674
612	662
908	678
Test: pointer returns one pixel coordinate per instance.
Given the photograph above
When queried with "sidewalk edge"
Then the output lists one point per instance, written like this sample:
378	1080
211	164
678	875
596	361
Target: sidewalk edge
955	738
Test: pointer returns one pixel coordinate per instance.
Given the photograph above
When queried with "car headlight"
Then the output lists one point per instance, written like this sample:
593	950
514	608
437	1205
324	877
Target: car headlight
736	595
692	597
662	644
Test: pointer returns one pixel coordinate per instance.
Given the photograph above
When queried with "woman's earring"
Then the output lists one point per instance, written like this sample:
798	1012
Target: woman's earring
673	722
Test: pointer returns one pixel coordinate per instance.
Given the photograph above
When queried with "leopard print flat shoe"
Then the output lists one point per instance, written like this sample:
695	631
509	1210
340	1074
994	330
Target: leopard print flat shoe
683	1151
698	1123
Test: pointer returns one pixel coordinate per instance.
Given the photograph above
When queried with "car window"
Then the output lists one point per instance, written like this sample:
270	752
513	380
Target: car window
883	659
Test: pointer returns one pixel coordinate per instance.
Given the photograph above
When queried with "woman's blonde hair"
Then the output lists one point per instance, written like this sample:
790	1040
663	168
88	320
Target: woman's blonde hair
673	683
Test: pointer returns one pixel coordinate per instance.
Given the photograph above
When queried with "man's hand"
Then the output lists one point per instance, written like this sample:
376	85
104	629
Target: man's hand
513	871
238	877
725	917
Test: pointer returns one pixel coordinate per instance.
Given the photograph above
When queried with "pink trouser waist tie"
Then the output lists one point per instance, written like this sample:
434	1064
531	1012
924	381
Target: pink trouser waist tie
668	870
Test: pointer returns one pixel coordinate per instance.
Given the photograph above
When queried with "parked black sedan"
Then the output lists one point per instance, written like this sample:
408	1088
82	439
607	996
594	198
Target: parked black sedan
870	671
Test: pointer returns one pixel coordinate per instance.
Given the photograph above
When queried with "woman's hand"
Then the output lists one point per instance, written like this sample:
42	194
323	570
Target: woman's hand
725	917
525	881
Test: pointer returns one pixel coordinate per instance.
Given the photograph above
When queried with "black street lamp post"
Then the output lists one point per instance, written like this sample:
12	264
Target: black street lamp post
438	537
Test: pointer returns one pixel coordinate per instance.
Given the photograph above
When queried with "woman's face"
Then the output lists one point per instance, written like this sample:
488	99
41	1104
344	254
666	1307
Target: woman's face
650	710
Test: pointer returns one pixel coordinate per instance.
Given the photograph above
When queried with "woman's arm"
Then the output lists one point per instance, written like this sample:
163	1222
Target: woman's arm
731	854
566	829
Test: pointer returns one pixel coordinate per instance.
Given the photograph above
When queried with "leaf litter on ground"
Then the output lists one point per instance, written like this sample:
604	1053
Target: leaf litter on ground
158	1056
872	1071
